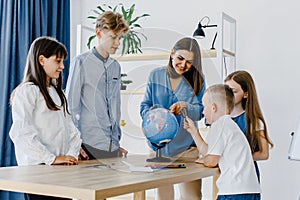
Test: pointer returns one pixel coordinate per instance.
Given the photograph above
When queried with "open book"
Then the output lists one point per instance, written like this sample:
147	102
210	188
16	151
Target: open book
294	150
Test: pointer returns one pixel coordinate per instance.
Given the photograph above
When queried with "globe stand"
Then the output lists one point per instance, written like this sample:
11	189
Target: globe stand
158	157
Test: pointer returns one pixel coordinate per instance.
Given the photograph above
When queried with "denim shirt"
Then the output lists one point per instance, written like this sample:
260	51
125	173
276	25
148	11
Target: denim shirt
93	93
159	92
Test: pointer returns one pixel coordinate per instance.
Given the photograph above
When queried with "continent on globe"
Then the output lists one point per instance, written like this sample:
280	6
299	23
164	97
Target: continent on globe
160	127
159	124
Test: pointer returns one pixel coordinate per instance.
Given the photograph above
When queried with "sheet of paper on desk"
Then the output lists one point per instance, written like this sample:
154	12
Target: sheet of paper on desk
135	168
140	169
98	167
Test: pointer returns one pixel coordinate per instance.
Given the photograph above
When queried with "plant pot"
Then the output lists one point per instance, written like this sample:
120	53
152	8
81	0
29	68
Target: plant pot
123	87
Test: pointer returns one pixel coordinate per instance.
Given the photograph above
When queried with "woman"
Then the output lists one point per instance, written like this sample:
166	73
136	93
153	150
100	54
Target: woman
178	85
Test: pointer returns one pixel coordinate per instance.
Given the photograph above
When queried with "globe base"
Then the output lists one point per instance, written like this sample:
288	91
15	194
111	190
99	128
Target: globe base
158	157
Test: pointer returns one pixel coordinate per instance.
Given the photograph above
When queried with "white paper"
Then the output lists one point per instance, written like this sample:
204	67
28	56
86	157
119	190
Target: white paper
140	169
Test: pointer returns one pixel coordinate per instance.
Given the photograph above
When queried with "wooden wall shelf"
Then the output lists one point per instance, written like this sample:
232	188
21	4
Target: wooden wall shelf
132	92
164	55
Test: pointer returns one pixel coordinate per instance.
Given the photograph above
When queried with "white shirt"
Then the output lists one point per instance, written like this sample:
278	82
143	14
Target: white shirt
40	134
238	175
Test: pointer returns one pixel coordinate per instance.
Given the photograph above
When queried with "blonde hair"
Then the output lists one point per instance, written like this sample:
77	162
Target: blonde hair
112	21
222	95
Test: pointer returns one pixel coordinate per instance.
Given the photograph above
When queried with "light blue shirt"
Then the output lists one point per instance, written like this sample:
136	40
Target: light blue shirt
159	92
93	93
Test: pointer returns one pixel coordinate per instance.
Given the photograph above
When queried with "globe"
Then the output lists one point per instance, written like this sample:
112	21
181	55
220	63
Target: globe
159	126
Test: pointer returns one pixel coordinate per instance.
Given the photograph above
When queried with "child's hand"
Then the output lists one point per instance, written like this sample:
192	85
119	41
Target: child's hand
199	160
66	160
189	125
83	155
123	152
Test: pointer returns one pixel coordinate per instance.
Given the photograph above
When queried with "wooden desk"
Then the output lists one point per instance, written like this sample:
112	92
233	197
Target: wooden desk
87	183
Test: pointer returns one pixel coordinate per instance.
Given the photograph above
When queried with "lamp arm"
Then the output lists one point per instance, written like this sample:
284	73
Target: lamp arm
213	25
213	43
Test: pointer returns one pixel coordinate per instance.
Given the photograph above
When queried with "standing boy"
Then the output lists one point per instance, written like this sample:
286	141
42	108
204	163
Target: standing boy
93	90
225	146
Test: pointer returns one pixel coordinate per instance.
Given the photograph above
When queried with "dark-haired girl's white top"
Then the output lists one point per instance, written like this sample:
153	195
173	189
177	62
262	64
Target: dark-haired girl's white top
40	134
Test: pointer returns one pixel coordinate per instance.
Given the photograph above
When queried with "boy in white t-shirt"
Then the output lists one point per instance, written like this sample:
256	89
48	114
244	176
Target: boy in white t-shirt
226	146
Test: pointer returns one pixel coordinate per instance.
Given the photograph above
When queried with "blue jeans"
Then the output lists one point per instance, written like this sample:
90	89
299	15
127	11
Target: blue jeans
239	197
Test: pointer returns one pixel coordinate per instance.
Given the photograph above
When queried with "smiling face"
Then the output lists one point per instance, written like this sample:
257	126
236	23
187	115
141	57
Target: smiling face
52	66
182	61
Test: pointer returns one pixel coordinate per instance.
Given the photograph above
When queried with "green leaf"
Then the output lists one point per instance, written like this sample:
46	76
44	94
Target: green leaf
90	40
138	40
116	7
140	50
131	41
137	18
124	13
137	25
124	44
128	46
135	44
96	12
144	36
131	10
145	15
132	46
100	8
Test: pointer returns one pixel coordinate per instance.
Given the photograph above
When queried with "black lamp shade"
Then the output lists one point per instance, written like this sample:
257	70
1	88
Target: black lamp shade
199	32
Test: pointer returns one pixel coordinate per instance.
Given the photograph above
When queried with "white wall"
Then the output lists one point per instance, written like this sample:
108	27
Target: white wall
267	46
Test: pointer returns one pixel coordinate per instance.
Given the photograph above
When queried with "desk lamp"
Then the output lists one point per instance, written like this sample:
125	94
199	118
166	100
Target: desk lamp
199	32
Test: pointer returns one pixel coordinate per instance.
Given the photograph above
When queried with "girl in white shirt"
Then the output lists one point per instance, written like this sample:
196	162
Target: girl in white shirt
42	130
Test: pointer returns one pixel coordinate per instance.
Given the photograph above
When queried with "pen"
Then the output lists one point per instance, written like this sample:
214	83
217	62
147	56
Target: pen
183	112
176	166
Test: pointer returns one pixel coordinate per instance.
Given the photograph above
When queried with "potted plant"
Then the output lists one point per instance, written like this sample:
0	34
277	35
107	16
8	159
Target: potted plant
132	42
124	83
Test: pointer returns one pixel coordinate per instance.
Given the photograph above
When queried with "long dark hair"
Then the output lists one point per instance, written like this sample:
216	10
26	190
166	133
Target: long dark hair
35	73
195	75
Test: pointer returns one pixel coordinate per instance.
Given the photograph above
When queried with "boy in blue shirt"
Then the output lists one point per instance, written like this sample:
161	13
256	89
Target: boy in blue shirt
93	90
